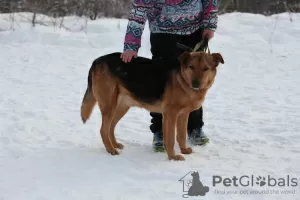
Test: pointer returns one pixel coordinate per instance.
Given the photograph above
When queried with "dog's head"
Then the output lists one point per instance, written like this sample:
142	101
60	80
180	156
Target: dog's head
199	69
195	174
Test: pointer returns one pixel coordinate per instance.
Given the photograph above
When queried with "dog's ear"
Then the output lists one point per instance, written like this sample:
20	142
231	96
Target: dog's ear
217	59
184	57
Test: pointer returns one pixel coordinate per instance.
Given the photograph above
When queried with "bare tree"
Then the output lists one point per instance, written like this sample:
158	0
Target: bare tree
5	6
265	7
35	7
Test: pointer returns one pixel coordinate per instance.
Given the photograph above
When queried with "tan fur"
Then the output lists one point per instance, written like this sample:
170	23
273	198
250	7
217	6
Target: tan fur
179	99
87	105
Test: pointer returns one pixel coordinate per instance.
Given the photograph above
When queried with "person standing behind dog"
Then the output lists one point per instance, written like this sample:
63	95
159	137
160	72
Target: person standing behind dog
171	21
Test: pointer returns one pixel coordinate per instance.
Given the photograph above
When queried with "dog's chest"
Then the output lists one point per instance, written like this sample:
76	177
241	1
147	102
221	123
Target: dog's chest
191	100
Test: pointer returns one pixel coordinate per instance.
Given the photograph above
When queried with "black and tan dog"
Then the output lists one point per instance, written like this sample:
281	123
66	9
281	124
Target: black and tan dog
116	86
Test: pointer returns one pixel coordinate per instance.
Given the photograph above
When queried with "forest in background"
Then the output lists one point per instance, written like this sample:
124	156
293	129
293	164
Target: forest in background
53	12
94	9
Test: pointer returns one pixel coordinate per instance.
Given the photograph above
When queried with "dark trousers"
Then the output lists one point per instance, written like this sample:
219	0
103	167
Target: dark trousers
163	46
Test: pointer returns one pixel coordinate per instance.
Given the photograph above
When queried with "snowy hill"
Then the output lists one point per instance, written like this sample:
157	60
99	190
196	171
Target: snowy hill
251	115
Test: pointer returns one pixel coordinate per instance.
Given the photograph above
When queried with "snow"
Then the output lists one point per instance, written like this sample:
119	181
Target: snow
251	114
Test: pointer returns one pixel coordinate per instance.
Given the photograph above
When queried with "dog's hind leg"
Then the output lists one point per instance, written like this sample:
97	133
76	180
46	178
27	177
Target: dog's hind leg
182	133
108	111
106	92
120	111
107	119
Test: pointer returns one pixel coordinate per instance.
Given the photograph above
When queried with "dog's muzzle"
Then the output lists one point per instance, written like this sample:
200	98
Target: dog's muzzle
196	84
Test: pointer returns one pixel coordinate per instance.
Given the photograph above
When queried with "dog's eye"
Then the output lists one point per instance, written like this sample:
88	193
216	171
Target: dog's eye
205	69
192	67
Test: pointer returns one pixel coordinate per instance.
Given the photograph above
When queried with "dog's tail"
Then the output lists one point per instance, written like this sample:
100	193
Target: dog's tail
89	100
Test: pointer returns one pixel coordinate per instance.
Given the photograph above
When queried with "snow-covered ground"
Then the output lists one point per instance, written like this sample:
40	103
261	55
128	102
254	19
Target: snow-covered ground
252	115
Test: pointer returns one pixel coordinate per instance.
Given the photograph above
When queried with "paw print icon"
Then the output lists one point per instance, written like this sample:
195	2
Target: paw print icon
261	181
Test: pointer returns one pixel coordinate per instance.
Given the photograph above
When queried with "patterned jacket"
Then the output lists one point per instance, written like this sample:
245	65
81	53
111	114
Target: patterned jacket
169	16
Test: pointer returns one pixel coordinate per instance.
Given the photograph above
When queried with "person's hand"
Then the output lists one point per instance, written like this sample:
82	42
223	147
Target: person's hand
208	33
126	56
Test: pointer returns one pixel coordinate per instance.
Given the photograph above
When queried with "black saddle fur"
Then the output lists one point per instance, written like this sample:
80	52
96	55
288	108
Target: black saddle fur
145	78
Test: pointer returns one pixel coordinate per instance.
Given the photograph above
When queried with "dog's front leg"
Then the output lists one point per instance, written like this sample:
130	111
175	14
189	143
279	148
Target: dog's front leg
169	127
182	124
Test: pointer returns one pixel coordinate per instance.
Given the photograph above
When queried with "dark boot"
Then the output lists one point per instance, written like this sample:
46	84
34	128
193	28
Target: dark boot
196	135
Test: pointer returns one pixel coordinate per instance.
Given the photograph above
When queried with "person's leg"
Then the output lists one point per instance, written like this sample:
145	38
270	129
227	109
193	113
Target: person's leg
163	46
195	123
196	135
195	119
156	129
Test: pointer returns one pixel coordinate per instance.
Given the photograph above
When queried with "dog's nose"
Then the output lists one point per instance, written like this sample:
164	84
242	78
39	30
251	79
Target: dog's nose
196	83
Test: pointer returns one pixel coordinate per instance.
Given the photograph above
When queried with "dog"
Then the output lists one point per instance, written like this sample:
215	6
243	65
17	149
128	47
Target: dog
197	188
117	86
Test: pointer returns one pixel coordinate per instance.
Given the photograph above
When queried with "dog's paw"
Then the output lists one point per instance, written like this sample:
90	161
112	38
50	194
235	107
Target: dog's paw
113	151
176	157
119	146
188	150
